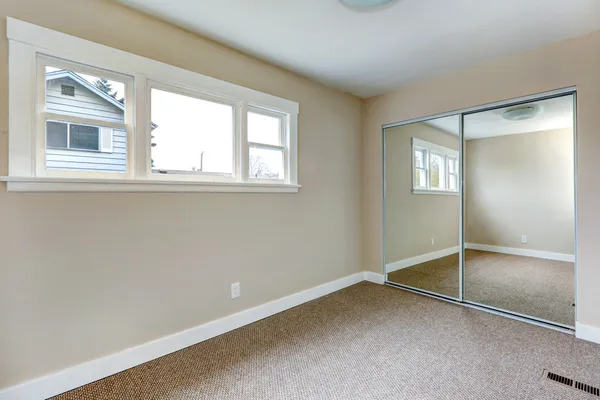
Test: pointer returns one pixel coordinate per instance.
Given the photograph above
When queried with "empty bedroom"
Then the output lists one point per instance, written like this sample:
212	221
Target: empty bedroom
318	199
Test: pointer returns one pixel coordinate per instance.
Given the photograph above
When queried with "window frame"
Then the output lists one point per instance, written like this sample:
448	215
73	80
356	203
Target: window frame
448	174
27	172
191	176
425	168
444	175
42	115
283	147
431	148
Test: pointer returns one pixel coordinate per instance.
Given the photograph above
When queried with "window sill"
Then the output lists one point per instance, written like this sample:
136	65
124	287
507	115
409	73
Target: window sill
435	192
28	184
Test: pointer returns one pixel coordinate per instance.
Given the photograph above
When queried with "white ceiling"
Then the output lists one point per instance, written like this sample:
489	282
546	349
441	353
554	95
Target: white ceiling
557	113
369	53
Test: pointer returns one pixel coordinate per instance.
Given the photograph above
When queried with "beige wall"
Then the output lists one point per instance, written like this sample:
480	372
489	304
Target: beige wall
86	275
412	220
574	62
521	185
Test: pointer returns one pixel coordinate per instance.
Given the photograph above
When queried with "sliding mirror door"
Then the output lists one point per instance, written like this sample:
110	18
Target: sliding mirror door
422	205
519	209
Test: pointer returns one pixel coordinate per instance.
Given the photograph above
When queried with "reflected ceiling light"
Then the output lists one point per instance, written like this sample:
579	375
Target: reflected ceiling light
365	4
522	113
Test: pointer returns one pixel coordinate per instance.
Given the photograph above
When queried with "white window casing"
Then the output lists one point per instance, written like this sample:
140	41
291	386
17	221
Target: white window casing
31	48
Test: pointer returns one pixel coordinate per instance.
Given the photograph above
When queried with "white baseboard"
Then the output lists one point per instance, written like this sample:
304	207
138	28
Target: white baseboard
374	277
587	332
409	262
522	252
79	375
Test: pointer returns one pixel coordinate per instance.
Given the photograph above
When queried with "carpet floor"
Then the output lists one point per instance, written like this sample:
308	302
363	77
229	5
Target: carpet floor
365	342
526	285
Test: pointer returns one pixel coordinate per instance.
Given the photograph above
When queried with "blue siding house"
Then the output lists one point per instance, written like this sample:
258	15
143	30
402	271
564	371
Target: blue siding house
78	146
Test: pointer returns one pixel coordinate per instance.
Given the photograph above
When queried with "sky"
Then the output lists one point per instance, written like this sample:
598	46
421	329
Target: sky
194	133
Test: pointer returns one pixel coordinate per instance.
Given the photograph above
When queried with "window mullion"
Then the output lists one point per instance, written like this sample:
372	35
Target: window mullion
244	155
141	130
68	135
443	165
428	168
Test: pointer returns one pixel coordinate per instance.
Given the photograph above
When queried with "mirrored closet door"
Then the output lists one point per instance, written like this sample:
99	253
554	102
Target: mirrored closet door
519	209
479	207
422	206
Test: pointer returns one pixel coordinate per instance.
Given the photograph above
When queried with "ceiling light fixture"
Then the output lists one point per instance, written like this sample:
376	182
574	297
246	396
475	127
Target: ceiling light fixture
522	113
365	4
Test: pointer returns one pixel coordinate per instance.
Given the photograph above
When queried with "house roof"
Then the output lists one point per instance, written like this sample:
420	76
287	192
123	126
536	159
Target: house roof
63	73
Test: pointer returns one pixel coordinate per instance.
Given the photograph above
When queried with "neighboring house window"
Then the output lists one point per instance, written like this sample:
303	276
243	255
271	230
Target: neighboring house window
104	119
435	168
63	135
67	90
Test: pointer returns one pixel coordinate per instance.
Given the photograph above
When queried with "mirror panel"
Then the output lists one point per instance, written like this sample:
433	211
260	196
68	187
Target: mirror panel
519	209
422	205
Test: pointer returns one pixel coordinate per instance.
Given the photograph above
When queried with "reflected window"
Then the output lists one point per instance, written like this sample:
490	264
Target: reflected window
420	170
435	167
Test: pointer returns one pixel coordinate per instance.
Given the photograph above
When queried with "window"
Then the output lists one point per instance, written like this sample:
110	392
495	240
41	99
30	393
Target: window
265	143
192	135
435	168
452	173
67	90
420	163
62	135
104	119
85	115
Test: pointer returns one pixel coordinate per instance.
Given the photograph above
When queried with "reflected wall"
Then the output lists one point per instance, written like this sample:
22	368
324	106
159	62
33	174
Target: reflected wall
422	205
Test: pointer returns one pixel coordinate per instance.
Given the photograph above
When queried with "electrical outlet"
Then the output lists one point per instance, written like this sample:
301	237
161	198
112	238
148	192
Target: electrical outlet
432	241
523	239
235	290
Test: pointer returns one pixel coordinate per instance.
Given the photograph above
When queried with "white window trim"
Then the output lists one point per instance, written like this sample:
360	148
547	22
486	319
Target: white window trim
27	42
431	148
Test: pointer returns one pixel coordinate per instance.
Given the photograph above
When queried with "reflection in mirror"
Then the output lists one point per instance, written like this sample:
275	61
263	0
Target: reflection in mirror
422	205
519	209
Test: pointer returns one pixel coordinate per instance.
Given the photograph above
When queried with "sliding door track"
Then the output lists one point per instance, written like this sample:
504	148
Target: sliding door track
489	309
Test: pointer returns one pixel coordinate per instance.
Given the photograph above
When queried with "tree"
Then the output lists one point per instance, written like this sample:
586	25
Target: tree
259	168
104	85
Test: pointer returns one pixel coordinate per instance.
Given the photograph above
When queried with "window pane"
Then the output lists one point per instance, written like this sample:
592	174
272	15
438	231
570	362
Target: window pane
84	137
264	129
420	179
56	134
452	165
419	158
437	171
73	93
265	163
452	183
190	134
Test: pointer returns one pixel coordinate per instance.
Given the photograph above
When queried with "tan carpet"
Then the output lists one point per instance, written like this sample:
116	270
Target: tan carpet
365	342
527	285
